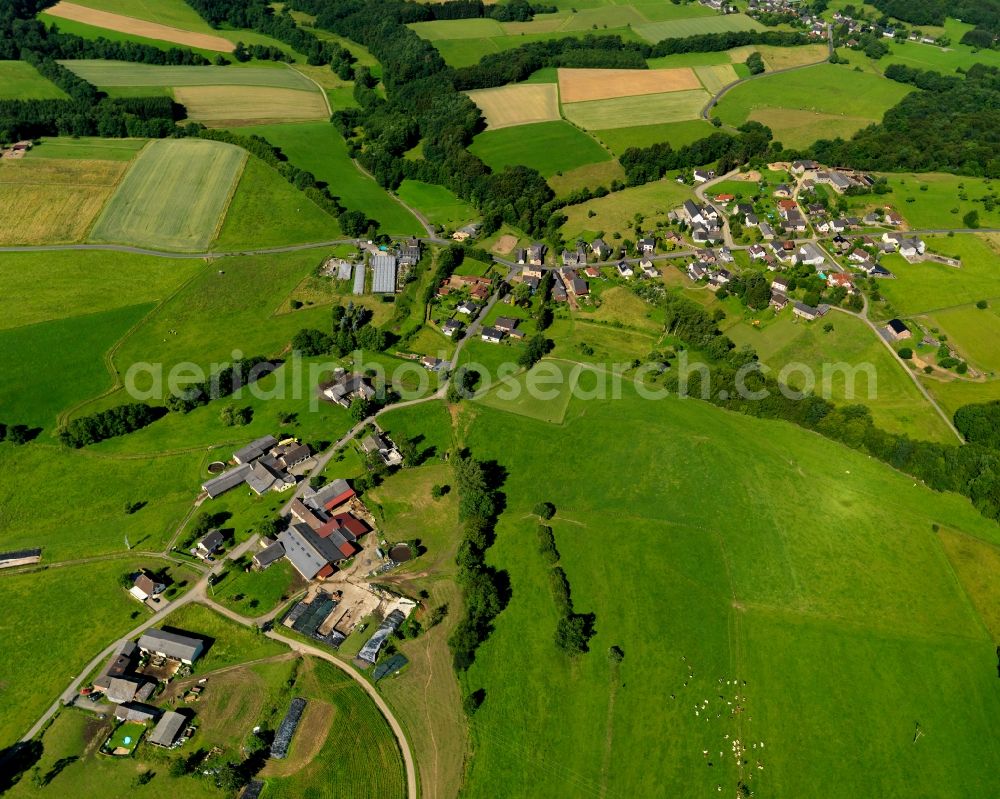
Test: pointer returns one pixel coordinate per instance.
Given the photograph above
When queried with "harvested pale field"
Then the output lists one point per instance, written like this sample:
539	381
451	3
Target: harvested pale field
124	73
139	27
518	105
715	77
784	57
581	85
174	197
626	112
221	106
53	201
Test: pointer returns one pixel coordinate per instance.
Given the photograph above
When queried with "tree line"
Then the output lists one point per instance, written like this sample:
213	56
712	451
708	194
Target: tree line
260	16
117	421
351	329
221	384
482	586
573	630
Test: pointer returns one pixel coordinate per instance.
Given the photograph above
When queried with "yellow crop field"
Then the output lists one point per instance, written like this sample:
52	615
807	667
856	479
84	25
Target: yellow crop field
649	109
521	104
580	85
715	77
139	27
250	105
53	201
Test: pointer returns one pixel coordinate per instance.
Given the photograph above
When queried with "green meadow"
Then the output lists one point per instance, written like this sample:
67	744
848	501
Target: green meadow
627	112
37	284
123	73
816	102
927	287
858	368
934	200
682	28
678	134
320	149
21	81
549	147
975	332
768	597
72	350
87	148
440	205
617	211
267	211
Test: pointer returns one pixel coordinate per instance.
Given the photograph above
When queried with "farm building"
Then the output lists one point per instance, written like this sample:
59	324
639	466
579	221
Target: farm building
897	330
134	711
167	729
290	723
380	444
330	496
313	553
268	555
384	274
359	280
389	625
807	312
254	449
19	557
172	646
226	481
347	387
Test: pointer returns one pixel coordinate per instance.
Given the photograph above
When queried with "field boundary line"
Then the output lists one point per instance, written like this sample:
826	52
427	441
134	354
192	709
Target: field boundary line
229	199
322	91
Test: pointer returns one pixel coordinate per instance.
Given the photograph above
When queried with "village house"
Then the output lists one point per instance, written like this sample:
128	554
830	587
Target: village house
467	308
451	327
696	271
536	254
893	218
508	325
781	190
492	335
780	284
270	554
145	587
348	387
210	545
840	280
751	220
803	166
908	247
623	269
766	231
778	300
838	181
703	176
810	255
757	252
600	249
381	445
804	311
431	364
646	245
648	270
468	232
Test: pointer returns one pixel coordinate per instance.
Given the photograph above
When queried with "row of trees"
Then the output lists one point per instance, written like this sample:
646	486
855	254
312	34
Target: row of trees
117	421
260	16
643	164
984	14
573	630
221	384
481	584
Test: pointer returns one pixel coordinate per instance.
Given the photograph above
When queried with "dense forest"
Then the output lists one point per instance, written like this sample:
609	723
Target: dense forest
950	124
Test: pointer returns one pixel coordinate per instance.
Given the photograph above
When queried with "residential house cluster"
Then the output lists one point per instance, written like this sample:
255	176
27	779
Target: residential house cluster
910	247
704	221
265	464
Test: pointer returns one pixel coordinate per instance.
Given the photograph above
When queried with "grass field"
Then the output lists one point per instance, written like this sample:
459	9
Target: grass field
438	204
715	77
73	350
626	112
976	333
617	211
549	147
130	25
818	618
319	148
53	201
677	133
587	176
37	283
87	148
124	73
21	81
894	400
229	106
580	85
267	211
933	200
175	13
255	593
681	28
174	197
59	644
519	104
929	287
817	96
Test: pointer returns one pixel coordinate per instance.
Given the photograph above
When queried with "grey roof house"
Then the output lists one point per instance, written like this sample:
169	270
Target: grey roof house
171	645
